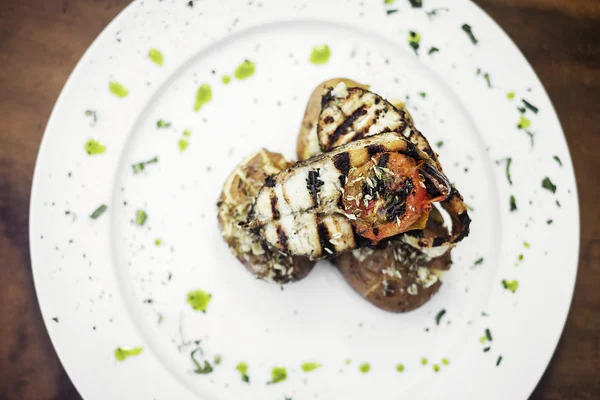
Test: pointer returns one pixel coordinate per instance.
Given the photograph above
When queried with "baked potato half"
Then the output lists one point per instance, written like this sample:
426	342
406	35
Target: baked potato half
234	204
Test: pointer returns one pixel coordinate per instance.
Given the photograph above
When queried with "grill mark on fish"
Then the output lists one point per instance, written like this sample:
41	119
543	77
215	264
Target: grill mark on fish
343	127
375	149
324	237
283	239
274	208
342	163
313	184
342	179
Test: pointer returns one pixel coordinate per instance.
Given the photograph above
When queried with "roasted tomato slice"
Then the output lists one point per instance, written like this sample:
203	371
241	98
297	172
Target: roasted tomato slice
387	196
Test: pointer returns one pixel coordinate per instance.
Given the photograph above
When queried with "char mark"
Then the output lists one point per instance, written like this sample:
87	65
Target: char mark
270	181
343	127
283	239
313	184
342	162
326	98
328	119
274	208
324	239
383	160
438	241
464	219
375	149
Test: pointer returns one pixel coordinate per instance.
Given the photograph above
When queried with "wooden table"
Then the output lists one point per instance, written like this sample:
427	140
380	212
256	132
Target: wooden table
42	40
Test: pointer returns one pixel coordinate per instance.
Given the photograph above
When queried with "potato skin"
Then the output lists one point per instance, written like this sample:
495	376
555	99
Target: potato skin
235	201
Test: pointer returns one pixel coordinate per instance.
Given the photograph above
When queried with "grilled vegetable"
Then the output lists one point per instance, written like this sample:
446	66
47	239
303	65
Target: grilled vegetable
301	209
234	204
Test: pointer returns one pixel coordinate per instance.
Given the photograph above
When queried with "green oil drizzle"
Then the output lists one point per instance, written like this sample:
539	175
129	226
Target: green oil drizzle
424	361
320	54
140	217
436	368
510	95
187	132
226	79
278	374
93	147
98	211
414	40
310	366
158	242
121	353
117	89
400	367
183	144
445	361
524	123
365	368
510	285
156	56
198	299
245	70
203	96
242	368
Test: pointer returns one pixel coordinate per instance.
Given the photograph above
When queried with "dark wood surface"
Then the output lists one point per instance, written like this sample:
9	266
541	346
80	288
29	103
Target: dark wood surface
42	40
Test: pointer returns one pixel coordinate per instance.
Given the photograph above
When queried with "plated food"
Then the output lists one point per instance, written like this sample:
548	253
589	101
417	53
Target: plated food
362	195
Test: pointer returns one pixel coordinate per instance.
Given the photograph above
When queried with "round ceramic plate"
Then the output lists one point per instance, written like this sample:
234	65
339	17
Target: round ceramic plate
120	236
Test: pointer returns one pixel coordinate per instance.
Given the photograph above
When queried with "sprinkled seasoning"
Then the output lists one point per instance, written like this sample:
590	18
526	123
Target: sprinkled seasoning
433	50
365	368
94	147
526	245
99	211
512	285
389	1
117	89
423	94
245	70
140	217
416	3
242	368
488	334
479	261
439	316
439	143
548	185
139	167
200	368
203	96
121	353
390	12
278	374
530	106
499	360
156	56
557	160
310	366
513	203
469	31
414	39
320	54
162	124
198	299
549	222
507	171
347	361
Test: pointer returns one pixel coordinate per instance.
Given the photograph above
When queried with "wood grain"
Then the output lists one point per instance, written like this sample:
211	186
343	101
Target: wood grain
40	43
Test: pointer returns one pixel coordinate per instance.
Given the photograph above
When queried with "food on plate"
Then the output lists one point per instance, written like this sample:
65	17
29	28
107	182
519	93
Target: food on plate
395	276
380	186
234	204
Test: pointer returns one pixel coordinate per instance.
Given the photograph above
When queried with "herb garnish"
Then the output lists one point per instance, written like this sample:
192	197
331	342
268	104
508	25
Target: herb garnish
469	31
245	70
242	368
416	3
513	203
548	185
183	144
278	374
439	316
203	96
531	135
557	160
400	367
479	261
445	361
201	369
162	124
139	167
440	143
530	106
310	366
91	113
510	95
436	368
486	349
433	50
510	285
365	367
488	334
198	299
423	94
122	353
156	56
524	123
507	170
390	12
117	89
423	361
93	147
499	360
140	217
99	211
549	222
414	38
217	359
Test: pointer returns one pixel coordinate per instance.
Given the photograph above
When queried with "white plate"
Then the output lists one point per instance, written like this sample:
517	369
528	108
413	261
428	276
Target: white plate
96	276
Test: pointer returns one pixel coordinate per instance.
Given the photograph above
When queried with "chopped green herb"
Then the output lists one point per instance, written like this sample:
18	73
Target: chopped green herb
530	106
435	11
499	360
416	3
423	94
242	368
122	353
93	147
423	361
486	76
226	79
278	374
469	31
469	208
439	316
526	245
201	369
99	211
320	54
156	56
390	12
117	89
217	359
203	96
508	177
245	70
440	143
158	242
187	133
548	185
91	113
486	349
183	144
488	334
549	222
198	300
510	285
557	160
520	257
479	261
478	72
558	203
365	367
400	367
531	135
524	122
482	339
445	361
522	110
140	217
436	368
513	203
139	167
310	366
510	95
414	38
162	124
433	50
